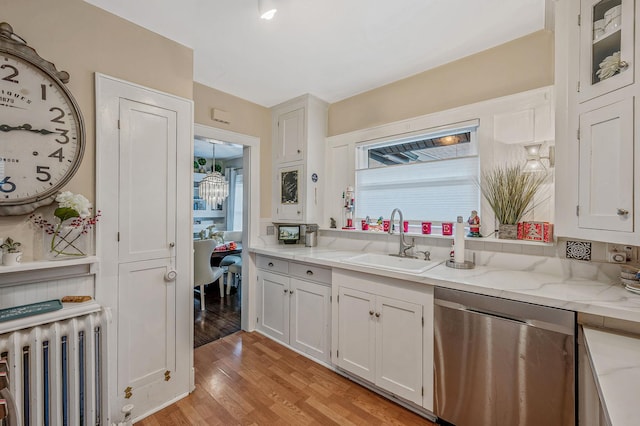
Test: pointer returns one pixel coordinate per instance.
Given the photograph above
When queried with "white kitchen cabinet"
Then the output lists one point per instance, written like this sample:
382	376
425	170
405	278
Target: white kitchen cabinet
598	44
597	142
299	131
294	305
606	168
385	334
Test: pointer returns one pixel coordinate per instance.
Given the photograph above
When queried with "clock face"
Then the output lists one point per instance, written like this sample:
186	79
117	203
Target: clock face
41	136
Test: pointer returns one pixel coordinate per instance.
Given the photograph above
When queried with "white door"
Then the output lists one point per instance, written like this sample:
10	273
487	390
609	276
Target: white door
399	348
145	232
274	305
606	168
310	318
290	191
356	332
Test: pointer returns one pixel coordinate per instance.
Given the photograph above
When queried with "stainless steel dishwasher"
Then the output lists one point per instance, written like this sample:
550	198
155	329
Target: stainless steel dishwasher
500	362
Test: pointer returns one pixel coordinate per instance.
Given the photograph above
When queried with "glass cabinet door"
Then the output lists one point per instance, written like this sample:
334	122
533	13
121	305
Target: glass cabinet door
606	46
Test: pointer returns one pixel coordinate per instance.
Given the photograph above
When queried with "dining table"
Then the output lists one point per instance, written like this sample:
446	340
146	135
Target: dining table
218	255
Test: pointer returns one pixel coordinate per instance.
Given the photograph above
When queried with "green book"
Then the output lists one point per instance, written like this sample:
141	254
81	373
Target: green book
16	312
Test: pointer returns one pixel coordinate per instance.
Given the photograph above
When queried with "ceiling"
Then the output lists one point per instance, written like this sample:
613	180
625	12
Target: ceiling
333	49
202	147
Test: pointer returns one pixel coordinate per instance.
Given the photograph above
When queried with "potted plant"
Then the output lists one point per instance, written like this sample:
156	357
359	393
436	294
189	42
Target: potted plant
13	255
510	191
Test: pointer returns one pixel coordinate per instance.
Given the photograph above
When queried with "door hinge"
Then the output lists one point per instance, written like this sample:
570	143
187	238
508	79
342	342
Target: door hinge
257	320
337	353
128	392
577	210
118	124
423	321
579	19
167	376
578	87
578	134
118	237
330	299
422	391
338	298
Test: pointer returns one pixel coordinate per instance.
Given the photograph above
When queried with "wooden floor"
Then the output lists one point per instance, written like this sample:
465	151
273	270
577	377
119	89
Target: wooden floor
220	318
248	379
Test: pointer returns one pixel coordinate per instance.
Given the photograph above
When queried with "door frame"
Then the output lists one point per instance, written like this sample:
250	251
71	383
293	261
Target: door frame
108	91
250	213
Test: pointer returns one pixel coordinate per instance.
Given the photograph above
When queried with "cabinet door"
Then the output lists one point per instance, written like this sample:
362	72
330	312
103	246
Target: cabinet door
356	332
606	168
399	348
310	317
606	28
290	190
290	143
273	311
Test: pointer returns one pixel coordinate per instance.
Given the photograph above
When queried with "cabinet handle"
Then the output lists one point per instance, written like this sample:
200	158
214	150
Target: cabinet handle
290	291
285	291
301	151
377	314
309	272
623	212
270	265
298	212
370	312
623	65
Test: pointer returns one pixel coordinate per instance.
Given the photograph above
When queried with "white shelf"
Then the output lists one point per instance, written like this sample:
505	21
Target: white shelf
69	310
46	270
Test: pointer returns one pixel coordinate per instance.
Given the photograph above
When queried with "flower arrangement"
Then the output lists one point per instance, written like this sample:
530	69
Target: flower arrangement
609	66
74	222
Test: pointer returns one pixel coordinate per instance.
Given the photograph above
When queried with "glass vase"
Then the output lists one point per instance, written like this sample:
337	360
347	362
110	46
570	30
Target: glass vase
66	242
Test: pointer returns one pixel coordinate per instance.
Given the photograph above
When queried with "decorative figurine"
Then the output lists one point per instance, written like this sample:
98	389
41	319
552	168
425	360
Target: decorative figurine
474	224
333	222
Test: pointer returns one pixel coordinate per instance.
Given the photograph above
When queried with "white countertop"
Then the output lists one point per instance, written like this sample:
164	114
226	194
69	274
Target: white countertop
516	277
616	366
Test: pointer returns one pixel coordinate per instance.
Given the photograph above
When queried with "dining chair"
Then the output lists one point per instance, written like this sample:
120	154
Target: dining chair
203	272
234	272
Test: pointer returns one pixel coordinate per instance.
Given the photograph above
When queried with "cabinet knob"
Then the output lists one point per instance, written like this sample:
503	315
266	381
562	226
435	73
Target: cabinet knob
298	212
290	291
623	65
623	212
270	265
286	291
309	272
301	151
377	314
370	312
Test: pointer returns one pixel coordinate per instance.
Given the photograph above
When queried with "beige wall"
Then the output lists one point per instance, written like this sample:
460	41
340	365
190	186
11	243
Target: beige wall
82	39
522	64
246	118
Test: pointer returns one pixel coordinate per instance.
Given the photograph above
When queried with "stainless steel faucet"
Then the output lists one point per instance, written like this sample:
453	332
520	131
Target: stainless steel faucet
404	247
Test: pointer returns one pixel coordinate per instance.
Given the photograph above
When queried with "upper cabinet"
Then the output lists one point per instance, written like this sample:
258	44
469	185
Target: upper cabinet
606	47
596	140
299	132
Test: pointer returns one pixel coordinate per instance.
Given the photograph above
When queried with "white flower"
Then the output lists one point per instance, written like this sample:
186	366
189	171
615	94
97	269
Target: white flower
77	202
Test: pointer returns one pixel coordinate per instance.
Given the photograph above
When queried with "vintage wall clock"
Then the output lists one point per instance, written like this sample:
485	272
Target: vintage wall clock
41	127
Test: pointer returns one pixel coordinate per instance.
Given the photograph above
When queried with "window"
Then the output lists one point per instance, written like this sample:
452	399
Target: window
429	176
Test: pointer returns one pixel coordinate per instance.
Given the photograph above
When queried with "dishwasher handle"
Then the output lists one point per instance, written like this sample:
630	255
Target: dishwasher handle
559	328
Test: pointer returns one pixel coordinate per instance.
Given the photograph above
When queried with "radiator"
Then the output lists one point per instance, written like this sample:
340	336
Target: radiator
56	371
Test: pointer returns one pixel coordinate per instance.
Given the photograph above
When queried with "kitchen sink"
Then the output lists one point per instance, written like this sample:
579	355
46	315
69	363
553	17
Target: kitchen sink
393	263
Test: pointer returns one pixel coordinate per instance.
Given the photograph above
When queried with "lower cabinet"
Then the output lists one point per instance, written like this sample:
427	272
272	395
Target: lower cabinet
294	305
385	334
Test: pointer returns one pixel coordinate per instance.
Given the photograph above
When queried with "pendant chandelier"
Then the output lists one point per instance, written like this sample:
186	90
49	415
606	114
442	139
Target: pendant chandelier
213	188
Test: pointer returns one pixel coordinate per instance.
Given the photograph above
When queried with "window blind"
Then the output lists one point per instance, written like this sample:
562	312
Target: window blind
434	191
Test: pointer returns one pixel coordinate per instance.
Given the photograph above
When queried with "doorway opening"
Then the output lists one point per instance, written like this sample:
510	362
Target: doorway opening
218	208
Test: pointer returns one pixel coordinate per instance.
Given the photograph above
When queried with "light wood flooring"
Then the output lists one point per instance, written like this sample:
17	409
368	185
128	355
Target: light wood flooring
248	379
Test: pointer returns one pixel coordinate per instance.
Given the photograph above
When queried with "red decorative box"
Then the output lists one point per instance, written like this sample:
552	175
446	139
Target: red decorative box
535	231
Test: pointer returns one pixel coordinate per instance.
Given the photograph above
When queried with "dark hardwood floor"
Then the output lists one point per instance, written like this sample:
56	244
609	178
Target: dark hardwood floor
248	379
221	317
